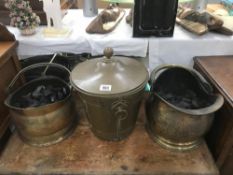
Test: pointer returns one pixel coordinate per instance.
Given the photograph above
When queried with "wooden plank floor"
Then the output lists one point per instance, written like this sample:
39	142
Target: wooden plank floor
83	153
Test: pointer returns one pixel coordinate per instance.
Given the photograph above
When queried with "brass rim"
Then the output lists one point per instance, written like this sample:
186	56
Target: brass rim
171	145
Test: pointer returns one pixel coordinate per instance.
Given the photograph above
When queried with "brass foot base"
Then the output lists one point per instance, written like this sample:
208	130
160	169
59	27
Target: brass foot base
186	146
51	139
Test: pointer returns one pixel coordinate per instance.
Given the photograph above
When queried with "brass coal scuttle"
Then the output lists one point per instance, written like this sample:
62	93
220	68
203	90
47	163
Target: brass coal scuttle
111	89
180	108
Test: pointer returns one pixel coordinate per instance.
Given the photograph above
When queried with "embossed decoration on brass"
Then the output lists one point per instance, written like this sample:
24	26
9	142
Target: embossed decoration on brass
111	89
119	108
45	124
180	108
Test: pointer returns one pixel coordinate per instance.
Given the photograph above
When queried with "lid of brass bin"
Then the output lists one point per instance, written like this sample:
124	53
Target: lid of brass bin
109	75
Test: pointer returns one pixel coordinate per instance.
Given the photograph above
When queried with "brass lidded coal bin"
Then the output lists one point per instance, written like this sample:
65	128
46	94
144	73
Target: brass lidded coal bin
180	108
111	89
46	124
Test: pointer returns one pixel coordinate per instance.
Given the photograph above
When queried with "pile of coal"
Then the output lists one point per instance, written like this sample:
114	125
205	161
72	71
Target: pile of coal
41	95
186	99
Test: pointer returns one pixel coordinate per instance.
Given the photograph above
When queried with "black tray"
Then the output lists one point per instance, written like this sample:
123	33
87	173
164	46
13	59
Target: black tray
154	18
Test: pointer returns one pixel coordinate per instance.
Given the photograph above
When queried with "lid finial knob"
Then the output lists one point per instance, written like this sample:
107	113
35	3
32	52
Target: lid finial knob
108	52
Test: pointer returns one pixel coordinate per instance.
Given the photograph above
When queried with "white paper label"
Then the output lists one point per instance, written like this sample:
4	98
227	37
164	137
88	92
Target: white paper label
106	87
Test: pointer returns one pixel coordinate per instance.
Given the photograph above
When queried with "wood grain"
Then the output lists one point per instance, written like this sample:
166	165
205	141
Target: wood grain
9	66
218	70
83	153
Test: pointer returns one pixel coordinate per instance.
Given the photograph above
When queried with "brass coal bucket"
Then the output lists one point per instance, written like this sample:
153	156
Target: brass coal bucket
46	124
180	108
111	89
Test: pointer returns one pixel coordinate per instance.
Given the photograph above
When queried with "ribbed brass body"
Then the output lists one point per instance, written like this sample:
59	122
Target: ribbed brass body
47	124
44	125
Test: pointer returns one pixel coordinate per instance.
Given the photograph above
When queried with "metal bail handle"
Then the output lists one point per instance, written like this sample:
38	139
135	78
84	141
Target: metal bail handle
197	75
33	67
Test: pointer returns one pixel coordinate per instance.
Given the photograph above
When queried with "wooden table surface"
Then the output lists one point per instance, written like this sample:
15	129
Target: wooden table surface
83	153
218	70
7	46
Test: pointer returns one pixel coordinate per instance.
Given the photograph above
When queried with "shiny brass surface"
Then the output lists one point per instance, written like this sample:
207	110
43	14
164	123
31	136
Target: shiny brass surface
45	127
47	124
174	127
120	74
112	118
111	90
171	145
